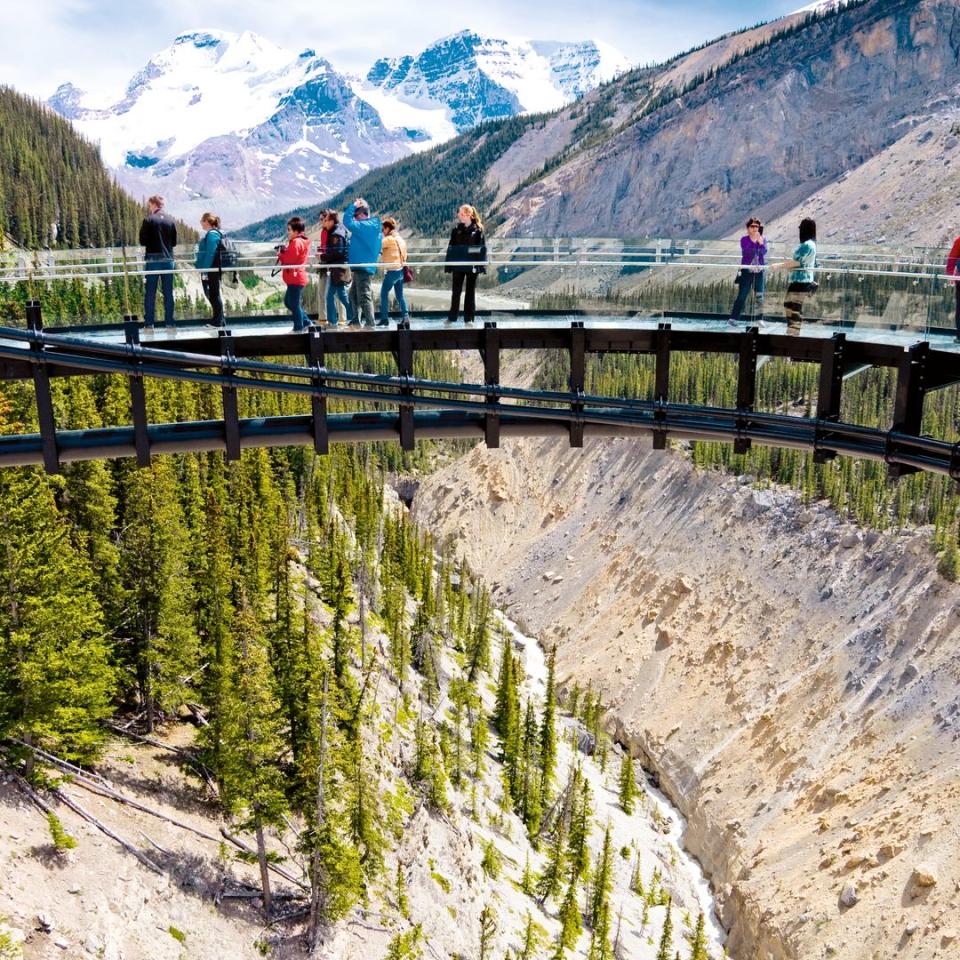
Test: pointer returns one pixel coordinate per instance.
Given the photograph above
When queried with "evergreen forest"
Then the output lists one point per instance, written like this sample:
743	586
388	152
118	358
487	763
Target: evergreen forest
55	191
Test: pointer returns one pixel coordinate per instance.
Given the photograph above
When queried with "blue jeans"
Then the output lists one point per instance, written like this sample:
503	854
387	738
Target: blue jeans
393	280
748	281
292	302
156	262
337	292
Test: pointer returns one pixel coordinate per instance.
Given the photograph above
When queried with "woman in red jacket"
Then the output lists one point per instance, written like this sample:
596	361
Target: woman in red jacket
293	256
952	271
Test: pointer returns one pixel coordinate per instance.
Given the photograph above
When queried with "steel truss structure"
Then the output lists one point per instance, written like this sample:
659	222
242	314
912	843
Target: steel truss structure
424	408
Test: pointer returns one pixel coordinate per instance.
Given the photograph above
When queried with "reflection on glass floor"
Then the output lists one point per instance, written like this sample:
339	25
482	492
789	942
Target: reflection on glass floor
939	338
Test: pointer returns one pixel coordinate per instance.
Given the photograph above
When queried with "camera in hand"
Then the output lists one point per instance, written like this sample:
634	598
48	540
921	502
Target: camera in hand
280	247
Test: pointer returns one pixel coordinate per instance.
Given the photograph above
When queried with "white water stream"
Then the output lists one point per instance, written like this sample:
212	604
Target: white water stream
656	828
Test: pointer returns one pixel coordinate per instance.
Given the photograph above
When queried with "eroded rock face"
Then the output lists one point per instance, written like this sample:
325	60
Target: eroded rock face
765	133
754	658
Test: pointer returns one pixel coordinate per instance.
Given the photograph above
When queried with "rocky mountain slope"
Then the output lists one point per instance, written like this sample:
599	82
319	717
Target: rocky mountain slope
846	111
794	682
235	122
760	132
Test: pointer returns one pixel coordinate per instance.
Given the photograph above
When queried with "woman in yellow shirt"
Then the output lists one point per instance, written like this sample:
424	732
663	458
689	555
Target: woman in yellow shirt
393	257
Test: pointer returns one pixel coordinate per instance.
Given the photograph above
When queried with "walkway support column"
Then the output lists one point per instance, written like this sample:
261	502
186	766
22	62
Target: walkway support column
832	369
138	393
908	406
661	389
746	386
490	351
231	418
316	358
404	356
41	386
578	378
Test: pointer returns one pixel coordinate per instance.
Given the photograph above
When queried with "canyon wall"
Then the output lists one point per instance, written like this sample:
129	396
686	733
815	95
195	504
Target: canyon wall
793	680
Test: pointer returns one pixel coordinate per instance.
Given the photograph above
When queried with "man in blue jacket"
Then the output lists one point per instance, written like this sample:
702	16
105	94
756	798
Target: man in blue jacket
366	238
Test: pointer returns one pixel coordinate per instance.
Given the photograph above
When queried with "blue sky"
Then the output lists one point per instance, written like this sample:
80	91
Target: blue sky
99	44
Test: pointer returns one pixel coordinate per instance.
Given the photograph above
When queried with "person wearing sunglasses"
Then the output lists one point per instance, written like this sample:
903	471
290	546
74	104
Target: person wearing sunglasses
753	252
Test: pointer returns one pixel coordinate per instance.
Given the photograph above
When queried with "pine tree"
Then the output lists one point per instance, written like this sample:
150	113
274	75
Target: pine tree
666	936
636	877
548	731
336	880
425	654
578	851
155	571
571	923
56	678
527	880
548	886
252	786
628	784
602	880
530	805
532	938
488	930
699	944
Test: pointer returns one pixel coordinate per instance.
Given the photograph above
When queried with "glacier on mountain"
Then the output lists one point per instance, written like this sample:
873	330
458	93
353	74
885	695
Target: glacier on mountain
234	123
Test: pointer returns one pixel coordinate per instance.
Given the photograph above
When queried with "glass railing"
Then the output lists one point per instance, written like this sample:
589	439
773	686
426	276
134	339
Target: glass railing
865	289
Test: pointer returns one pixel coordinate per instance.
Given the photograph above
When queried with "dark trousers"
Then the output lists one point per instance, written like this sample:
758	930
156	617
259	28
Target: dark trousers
154	264
361	298
211	290
292	301
469	299
747	281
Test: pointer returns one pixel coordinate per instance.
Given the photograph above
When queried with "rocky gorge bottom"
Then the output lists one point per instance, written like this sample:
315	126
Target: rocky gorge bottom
793	680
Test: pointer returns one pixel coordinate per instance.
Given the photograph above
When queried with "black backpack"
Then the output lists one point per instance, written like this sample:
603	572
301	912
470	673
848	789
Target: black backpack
227	256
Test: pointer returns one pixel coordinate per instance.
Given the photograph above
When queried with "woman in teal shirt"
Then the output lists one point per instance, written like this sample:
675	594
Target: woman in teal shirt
208	260
802	283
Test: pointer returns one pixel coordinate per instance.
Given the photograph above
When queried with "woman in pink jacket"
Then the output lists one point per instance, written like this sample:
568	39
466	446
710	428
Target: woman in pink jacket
952	261
293	255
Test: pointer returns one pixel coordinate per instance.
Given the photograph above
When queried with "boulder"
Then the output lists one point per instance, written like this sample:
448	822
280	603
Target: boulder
848	896
923	877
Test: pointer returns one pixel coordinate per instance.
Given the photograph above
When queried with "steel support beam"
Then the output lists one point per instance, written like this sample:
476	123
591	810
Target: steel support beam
41	387
490	352
318	402
833	367
404	356
578	378
661	388
231	418
746	385
138	394
908	406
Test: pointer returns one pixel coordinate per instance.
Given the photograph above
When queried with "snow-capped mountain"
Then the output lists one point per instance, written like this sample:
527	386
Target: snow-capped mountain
482	78
235	124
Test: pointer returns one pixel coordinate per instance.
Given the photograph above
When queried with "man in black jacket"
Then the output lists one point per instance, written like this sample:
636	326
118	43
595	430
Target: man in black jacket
158	234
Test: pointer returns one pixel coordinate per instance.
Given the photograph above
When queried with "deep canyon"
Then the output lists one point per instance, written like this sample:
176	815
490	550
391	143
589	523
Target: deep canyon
793	680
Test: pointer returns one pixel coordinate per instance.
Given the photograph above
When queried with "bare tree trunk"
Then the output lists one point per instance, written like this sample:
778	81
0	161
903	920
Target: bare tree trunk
316	867
264	866
363	611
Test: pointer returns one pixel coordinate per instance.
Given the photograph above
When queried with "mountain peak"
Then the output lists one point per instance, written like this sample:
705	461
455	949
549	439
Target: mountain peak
199	39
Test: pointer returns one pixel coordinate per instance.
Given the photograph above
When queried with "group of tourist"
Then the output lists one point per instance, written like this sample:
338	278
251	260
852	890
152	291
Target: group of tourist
352	248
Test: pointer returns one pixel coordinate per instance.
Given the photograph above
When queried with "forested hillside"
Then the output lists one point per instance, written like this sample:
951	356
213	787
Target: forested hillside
54	189
281	600
422	191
